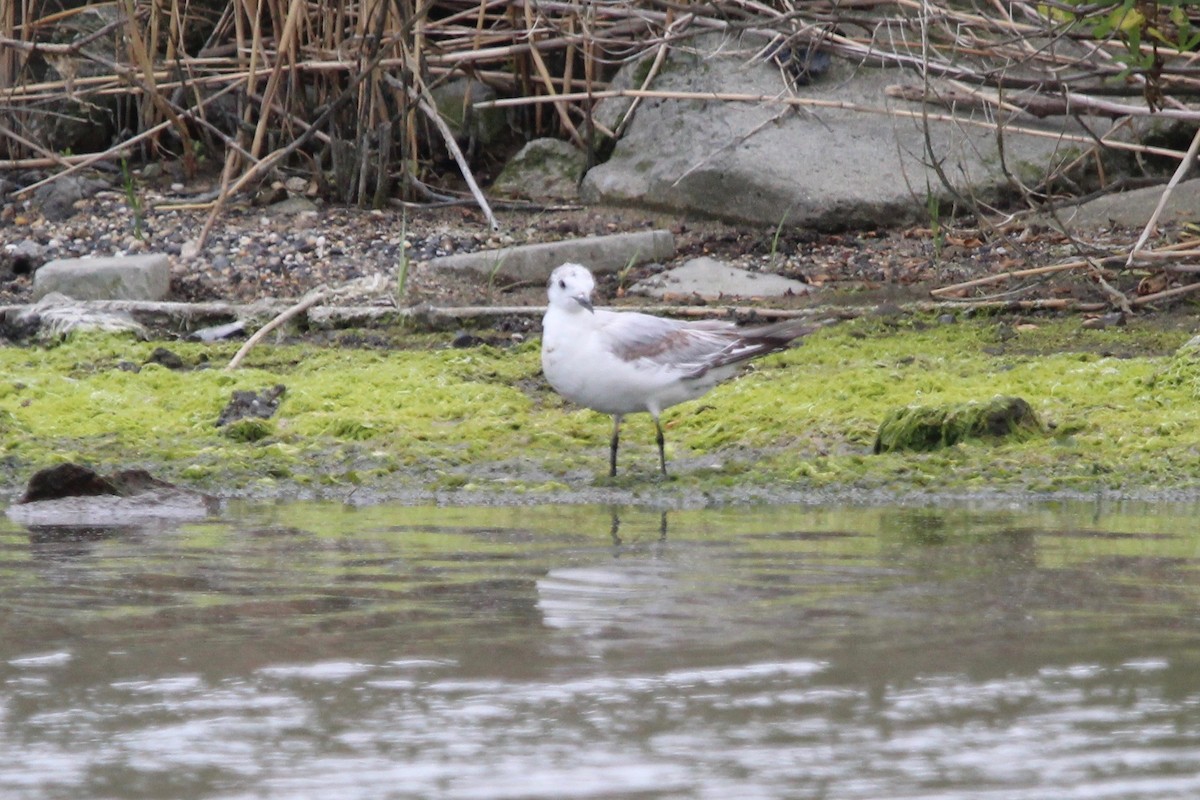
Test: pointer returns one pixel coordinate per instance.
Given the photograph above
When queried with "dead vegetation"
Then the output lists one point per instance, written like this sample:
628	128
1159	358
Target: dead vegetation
342	94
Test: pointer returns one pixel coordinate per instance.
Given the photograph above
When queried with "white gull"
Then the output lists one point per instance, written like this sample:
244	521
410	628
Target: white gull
624	362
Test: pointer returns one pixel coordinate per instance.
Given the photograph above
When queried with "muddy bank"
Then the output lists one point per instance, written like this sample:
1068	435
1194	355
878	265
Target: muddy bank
376	415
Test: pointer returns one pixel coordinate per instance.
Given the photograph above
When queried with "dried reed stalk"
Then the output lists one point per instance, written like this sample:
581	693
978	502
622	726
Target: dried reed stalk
339	89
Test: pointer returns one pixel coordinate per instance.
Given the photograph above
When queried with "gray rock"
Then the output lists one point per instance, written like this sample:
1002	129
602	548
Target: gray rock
56	200
146	277
534	262
455	103
26	248
544	168
294	204
1133	209
712	280
1190	348
827	168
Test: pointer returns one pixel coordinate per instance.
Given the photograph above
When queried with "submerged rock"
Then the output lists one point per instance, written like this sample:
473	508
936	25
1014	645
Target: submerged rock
73	480
66	480
69	496
932	427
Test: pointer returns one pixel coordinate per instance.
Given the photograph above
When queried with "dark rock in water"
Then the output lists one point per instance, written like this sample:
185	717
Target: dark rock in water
246	404
74	480
70	502
932	427
129	482
166	358
66	480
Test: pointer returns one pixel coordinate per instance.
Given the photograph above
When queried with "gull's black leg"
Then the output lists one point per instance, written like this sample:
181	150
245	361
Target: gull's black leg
612	446
658	437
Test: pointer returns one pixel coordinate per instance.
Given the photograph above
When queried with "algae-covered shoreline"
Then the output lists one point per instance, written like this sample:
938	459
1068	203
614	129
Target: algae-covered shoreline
419	421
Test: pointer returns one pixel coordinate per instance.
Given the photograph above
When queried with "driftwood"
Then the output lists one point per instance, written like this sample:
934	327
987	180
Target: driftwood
315	296
177	318
363	287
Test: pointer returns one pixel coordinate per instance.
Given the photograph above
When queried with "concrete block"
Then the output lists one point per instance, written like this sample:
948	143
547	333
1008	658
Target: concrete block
712	280
145	277
535	262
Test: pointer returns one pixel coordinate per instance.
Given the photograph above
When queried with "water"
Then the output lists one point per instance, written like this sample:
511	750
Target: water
320	651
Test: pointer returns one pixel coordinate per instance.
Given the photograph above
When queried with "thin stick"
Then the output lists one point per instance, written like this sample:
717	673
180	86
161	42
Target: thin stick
427	105
1179	250
1166	294
540	64
1004	276
1180	171
79	162
308	301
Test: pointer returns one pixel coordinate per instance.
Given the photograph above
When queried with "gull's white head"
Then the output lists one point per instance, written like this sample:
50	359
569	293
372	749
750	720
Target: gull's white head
571	287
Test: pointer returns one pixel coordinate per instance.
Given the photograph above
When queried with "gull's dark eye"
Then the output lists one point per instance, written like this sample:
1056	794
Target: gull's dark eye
562	284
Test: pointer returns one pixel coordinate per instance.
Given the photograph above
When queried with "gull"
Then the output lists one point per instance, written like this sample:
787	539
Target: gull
625	362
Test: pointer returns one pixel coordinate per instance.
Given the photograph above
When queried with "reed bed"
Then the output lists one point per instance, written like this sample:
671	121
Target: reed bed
343	92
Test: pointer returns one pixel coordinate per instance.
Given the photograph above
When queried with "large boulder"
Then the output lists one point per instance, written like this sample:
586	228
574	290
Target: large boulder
824	167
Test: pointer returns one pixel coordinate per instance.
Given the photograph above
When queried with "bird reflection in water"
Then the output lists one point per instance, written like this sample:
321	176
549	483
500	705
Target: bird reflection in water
615	530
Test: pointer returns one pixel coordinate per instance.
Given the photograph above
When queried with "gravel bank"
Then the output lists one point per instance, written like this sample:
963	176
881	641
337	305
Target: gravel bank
279	250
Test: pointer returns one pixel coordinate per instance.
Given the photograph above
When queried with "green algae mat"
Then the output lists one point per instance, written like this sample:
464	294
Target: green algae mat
1117	410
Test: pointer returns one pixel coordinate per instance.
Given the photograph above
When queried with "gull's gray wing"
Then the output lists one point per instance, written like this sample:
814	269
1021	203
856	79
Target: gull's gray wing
691	347
665	342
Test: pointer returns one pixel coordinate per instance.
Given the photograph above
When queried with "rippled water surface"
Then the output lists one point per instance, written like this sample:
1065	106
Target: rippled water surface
322	651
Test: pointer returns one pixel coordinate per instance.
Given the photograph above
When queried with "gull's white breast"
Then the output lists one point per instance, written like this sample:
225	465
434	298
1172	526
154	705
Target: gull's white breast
579	362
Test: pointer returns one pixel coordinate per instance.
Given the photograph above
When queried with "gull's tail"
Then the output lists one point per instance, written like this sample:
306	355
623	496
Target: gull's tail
749	343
